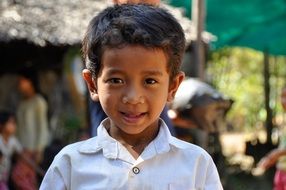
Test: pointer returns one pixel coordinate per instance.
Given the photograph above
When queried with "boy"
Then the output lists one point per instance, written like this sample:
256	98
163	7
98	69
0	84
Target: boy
95	107
133	54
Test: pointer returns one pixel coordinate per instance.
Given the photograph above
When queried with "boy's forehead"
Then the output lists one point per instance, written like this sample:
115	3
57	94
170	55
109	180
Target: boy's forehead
124	52
132	47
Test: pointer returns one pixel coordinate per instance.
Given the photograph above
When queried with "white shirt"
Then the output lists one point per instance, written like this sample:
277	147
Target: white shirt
103	163
8	149
32	130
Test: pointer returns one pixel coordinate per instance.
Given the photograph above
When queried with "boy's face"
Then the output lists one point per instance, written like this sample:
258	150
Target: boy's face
133	87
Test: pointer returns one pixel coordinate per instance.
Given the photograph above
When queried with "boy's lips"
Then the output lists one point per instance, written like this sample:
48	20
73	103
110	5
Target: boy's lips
133	117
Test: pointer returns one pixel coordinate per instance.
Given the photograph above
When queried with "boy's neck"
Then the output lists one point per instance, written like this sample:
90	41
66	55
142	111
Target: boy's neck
134	143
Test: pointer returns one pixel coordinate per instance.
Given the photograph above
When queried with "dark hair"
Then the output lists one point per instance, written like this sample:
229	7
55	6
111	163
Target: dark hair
144	25
5	116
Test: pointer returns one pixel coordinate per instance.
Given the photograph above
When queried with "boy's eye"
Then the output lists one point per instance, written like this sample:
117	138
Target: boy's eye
150	81
115	81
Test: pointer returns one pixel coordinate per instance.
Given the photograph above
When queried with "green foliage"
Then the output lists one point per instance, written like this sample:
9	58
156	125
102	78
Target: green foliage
238	73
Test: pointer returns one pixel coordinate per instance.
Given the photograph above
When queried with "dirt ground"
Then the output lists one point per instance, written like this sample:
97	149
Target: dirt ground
236	173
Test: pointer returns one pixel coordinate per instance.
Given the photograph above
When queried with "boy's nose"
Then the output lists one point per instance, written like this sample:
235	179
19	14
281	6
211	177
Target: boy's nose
133	95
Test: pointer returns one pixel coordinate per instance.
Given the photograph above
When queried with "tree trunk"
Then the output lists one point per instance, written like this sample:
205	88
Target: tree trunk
268	122
198	18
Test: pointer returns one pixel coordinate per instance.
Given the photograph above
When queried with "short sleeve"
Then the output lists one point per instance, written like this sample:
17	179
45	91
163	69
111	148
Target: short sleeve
212	179
58	175
53	180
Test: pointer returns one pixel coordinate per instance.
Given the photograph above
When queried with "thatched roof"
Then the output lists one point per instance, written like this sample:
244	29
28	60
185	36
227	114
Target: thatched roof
60	22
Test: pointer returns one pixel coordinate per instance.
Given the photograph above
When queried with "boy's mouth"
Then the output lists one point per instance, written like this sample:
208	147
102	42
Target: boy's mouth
133	117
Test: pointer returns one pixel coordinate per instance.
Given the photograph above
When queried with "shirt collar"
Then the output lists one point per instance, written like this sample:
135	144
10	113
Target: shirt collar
110	146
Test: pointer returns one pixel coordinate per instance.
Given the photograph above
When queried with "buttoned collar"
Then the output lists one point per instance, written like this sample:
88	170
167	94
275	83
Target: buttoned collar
111	148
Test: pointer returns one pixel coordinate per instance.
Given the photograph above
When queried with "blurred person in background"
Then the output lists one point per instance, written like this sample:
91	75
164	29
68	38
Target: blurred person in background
277	156
9	145
16	168
33	132
32	118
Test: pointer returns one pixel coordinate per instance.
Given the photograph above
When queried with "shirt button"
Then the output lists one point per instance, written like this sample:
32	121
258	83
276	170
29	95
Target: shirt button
136	170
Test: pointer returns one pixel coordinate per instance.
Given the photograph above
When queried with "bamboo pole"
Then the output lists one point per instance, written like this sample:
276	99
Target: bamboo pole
198	18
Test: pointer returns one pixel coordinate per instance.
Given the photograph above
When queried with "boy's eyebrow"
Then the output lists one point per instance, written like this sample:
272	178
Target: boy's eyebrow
114	71
152	72
146	72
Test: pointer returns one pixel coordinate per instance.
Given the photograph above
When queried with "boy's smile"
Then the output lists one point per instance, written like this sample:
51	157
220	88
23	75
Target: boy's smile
133	86
132	117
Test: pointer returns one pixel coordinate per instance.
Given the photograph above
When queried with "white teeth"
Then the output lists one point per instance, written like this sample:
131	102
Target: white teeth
130	115
133	115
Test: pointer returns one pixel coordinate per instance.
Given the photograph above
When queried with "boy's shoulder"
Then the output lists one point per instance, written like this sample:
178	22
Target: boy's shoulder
188	147
86	146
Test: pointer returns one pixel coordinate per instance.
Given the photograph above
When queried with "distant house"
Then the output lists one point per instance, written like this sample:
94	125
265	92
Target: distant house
39	28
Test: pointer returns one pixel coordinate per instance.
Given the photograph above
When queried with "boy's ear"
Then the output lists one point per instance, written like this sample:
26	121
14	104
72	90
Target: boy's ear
174	85
91	84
